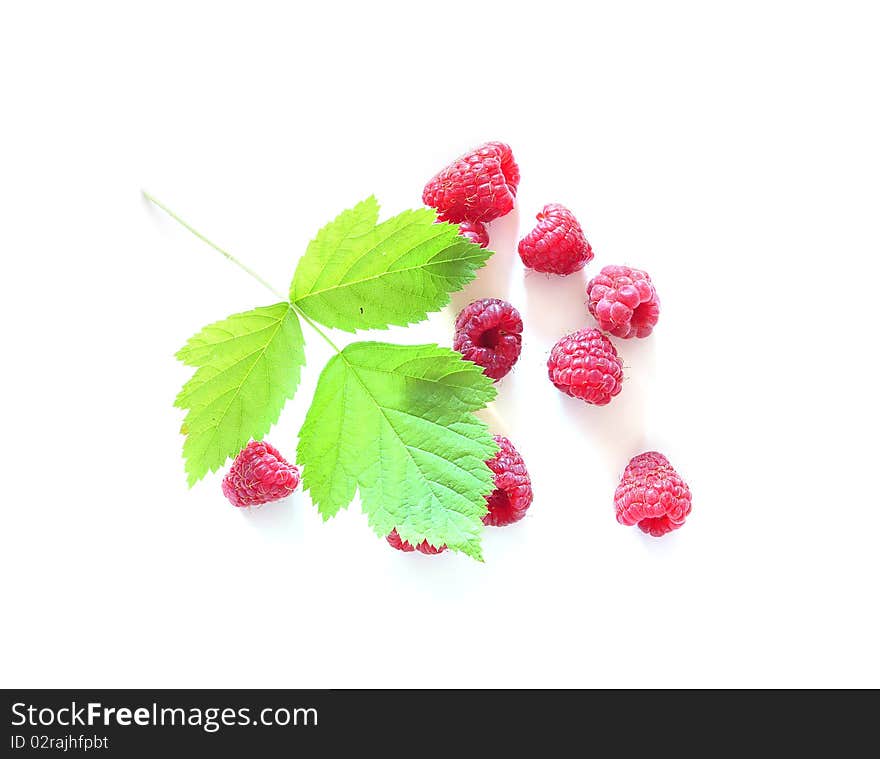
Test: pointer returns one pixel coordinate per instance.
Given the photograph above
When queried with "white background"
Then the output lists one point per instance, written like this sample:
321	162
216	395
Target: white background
729	149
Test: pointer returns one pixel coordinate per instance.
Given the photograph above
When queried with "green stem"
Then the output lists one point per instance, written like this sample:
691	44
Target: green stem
242	266
314	327
216	247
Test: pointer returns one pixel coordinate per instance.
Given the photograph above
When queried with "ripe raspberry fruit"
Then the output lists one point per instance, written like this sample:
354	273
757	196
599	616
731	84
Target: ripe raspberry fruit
475	232
557	244
652	495
489	333
585	365
513	488
624	301
395	541
479	186
258	475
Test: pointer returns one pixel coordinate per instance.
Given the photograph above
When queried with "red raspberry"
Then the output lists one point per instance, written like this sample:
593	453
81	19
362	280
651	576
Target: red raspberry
395	541
624	301
475	232
488	332
557	244
585	365
258	475
513	488
479	186
652	495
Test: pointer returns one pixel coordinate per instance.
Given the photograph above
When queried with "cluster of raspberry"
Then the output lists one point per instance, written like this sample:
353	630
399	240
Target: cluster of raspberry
481	186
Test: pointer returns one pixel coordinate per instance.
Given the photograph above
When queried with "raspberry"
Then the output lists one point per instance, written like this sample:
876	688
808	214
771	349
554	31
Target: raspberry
258	475
585	365
513	488
624	301
652	495
557	244
479	186
488	332
395	541
475	232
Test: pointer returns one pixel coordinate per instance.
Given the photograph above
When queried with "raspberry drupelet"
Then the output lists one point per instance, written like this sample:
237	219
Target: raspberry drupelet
557	244
478	186
585	365
395	541
489	333
652	495
512	496
258	475
624	302
475	232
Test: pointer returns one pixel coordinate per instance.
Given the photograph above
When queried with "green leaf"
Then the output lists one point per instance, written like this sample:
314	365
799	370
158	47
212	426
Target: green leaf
356	274
247	366
396	422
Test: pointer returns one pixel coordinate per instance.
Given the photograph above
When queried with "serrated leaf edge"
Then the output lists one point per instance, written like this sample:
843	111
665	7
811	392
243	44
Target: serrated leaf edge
470	366
261	431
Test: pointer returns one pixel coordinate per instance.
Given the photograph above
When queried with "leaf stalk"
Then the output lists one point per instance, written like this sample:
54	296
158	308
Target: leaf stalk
314	327
244	267
216	247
